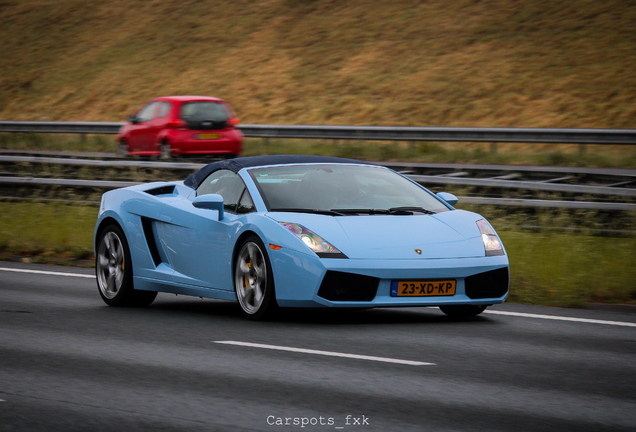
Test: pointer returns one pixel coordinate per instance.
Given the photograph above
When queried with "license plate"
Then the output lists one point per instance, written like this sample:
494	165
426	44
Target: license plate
209	136
423	288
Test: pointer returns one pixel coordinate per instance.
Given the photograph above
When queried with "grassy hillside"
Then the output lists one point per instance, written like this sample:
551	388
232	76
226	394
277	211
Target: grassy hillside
463	63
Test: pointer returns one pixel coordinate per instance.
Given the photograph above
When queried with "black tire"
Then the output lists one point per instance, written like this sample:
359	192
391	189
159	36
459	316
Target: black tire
165	150
123	148
254	280
114	272
462	311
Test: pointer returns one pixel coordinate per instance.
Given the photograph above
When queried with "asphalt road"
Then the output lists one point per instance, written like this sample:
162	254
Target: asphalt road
68	362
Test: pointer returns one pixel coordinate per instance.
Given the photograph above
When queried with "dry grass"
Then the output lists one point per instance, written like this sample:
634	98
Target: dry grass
466	63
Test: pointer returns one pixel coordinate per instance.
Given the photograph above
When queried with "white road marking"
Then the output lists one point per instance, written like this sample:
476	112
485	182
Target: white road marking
561	318
47	273
326	353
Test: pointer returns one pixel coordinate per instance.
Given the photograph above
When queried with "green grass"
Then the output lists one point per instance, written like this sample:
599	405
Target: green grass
57	142
518	154
566	269
47	229
549	268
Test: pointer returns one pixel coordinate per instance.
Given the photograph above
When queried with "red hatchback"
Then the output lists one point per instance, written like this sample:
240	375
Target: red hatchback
182	125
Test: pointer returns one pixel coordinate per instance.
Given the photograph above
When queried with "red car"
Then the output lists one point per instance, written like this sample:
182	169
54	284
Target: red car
182	125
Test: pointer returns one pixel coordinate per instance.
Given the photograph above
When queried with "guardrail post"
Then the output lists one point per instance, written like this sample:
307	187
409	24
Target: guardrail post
581	149
493	147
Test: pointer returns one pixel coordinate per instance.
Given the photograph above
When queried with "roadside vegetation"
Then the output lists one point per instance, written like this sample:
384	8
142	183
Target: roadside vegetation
516	154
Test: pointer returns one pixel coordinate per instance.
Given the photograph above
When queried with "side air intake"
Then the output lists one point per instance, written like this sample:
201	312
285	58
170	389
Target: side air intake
161	190
150	240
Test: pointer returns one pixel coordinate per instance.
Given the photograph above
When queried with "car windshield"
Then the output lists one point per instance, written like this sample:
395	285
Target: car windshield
197	111
341	190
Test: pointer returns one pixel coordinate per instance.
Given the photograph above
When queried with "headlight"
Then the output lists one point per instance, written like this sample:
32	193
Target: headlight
489	237
311	239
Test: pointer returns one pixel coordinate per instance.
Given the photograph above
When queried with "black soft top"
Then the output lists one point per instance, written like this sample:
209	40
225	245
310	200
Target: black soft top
235	165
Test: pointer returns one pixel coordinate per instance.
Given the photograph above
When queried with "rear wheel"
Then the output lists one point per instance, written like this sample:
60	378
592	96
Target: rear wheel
462	310
113	269
165	150
254	281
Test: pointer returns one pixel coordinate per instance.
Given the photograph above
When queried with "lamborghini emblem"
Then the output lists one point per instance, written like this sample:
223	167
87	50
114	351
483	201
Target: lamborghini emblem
418	251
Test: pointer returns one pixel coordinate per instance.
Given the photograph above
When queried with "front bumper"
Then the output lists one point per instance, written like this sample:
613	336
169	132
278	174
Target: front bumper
298	279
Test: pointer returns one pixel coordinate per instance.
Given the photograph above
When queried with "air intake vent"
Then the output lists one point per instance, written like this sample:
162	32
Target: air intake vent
492	284
150	240
162	190
340	286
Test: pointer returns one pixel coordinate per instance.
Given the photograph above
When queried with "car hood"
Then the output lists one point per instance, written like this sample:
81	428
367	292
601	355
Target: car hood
451	234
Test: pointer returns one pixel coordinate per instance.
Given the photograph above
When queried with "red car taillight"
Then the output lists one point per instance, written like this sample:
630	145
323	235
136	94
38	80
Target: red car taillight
177	124
232	122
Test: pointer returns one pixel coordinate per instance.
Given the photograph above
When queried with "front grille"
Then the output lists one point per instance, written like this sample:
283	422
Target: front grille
491	284
341	286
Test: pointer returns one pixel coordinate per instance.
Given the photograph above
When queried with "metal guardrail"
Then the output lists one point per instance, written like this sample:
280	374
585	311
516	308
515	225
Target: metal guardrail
371	133
103	163
101	184
105	184
424	179
113	159
552	187
110	128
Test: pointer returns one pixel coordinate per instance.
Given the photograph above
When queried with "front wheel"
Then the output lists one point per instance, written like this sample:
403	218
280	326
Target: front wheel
254	281
462	311
113	269
123	148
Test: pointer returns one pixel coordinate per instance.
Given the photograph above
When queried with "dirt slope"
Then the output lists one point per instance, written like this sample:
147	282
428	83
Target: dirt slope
553	63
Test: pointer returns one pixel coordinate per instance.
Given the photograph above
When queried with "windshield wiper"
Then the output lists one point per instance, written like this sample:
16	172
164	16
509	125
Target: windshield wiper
395	210
362	211
406	210
312	211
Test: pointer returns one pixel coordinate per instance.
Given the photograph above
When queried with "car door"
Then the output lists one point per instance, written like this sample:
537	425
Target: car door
140	132
154	126
198	245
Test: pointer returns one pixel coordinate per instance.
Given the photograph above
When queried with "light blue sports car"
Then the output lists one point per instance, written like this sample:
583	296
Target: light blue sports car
297	231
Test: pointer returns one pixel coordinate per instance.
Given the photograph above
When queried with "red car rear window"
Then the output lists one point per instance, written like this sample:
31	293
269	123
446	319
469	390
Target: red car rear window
196	111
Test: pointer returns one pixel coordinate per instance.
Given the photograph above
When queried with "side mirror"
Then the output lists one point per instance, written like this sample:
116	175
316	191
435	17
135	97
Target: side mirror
210	202
448	197
132	119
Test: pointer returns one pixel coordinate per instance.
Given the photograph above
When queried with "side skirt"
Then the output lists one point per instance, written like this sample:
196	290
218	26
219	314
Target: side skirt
146	284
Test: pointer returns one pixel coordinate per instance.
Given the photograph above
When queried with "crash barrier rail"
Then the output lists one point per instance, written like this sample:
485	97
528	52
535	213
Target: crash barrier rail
370	133
407	168
108	184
